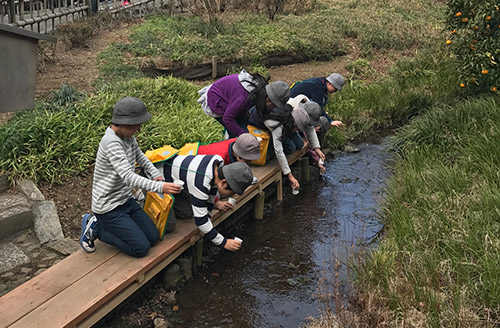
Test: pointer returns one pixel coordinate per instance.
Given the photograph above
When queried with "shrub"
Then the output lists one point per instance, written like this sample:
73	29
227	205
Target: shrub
474	27
60	138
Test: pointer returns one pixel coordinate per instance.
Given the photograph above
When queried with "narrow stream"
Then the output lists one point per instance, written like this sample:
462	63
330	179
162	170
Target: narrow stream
288	261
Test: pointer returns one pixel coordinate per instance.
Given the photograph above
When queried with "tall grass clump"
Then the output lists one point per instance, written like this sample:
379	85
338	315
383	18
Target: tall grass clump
410	89
438	263
56	140
49	142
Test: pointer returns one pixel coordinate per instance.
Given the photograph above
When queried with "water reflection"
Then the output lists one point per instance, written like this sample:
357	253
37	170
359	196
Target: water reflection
274	280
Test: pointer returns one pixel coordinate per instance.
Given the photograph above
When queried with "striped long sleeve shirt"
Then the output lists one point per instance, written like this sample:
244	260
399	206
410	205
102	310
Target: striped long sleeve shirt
197	172
114	173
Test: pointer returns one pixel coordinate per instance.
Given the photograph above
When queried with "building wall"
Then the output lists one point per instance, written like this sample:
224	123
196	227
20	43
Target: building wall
18	59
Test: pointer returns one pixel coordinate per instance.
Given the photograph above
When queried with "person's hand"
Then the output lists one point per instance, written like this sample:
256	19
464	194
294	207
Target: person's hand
322	168
317	128
293	182
337	124
160	178
232	245
223	206
171	188
320	153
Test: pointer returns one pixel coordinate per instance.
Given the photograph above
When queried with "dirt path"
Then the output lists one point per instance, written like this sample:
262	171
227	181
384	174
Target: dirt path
77	66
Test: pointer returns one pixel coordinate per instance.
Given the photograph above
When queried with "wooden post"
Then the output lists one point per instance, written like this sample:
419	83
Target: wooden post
279	186
304	166
258	210
198	252
12	12
214	67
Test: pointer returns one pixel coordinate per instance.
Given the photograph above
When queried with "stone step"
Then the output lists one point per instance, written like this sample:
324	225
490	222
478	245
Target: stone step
15	214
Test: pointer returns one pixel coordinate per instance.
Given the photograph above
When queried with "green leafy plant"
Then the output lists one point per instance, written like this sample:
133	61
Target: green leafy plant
474	31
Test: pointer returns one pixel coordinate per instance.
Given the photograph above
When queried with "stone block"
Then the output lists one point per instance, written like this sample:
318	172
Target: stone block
46	222
11	256
15	214
64	246
4	183
186	267
28	188
172	276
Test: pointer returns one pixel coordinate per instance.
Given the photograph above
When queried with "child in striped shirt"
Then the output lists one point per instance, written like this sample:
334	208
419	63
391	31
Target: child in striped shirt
204	177
118	219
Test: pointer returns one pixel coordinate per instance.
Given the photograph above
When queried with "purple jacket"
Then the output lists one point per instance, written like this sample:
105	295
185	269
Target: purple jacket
228	98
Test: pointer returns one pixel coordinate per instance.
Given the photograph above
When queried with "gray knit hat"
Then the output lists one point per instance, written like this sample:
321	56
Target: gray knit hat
336	80
247	146
130	111
314	111
301	118
325	125
278	92
238	176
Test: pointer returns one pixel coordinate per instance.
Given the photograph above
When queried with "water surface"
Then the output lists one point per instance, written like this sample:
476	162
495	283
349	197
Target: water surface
288	261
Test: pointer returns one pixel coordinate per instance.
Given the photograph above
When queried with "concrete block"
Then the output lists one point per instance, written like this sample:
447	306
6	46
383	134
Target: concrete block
66	246
11	256
15	214
186	266
31	191
172	276
4	183
46	222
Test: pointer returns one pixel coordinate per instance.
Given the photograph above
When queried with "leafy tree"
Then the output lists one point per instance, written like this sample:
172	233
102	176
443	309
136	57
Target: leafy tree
474	27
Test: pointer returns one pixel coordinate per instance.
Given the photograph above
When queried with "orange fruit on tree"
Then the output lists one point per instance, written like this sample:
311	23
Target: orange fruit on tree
462	85
453	32
458	14
448	42
494	89
465	20
476	27
488	18
484	71
488	26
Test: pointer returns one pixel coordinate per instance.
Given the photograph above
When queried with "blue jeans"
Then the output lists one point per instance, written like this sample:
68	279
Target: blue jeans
295	142
240	120
127	227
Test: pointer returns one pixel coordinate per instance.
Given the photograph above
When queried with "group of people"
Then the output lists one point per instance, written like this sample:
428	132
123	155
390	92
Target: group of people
218	171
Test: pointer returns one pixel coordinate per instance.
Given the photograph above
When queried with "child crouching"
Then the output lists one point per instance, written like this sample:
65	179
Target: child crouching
118	219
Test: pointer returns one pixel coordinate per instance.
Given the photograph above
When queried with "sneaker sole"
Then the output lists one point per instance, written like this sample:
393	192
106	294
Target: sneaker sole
85	220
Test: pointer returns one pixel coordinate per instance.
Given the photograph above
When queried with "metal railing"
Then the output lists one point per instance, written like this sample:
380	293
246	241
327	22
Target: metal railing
43	16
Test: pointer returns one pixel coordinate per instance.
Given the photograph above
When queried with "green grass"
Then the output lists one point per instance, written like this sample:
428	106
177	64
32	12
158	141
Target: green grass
440	254
60	138
247	39
410	89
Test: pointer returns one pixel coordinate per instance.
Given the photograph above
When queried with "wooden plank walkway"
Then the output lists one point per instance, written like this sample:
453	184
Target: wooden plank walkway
81	289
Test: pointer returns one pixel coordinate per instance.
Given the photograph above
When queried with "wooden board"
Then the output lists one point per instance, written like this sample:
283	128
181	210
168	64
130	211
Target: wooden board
84	287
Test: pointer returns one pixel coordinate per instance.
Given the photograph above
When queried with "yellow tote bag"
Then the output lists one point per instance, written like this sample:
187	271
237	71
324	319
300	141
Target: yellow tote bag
264	143
161	154
159	207
189	149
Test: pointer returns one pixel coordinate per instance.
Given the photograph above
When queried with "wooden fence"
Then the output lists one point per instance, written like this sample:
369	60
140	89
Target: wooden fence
43	16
